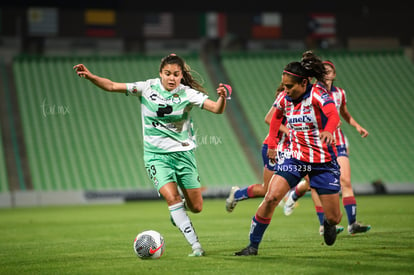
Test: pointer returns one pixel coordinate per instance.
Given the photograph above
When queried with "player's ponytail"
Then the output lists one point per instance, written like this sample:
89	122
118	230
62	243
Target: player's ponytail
313	66
188	78
310	66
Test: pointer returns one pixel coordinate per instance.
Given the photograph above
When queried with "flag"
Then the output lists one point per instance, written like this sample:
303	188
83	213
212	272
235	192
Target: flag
322	25
214	25
100	23
267	25
158	25
42	21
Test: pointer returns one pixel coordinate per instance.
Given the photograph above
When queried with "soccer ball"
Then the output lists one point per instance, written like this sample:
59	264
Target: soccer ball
149	245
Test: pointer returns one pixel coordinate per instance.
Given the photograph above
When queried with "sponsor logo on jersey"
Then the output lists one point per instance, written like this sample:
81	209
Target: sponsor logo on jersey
287	154
299	119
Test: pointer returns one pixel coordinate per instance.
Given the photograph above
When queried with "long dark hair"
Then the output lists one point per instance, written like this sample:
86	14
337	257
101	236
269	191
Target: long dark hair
187	79
310	66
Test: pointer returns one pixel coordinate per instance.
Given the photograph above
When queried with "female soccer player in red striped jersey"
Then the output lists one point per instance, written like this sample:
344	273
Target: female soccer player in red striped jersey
348	197
312	118
269	165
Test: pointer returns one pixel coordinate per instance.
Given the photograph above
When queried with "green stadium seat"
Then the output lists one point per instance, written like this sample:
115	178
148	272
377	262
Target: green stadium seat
379	92
81	138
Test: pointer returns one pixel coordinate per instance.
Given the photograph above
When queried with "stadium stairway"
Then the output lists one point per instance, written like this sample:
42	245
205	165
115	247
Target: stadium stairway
379	93
81	139
4	187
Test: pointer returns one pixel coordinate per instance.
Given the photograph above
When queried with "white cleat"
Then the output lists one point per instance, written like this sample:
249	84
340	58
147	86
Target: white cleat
230	201
198	252
289	205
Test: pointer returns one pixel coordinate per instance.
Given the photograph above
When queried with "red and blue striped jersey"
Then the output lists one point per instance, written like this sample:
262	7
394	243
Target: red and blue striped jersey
339	97
306	118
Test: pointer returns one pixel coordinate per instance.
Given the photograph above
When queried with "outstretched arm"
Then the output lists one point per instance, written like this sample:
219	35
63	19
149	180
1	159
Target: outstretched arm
348	118
103	83
218	106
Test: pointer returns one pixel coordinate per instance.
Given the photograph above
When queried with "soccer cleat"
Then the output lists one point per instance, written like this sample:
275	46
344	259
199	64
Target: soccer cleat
290	205
339	229
198	252
356	227
329	233
248	251
230	201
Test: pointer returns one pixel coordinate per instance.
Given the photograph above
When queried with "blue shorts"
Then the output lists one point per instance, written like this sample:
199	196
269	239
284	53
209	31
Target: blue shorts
342	150
268	163
324	177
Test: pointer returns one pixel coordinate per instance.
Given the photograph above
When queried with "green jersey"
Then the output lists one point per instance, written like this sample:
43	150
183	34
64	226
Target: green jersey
166	121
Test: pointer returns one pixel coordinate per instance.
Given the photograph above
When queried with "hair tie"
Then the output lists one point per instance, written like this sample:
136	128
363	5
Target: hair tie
293	74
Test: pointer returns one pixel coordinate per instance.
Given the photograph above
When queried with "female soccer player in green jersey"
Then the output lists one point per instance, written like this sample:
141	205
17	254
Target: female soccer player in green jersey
168	134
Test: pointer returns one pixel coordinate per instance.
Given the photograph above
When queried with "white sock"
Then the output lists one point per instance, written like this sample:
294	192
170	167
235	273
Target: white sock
183	222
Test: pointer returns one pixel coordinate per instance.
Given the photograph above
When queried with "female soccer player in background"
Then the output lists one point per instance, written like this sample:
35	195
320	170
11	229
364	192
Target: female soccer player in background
269	165
312	118
168	134
348	197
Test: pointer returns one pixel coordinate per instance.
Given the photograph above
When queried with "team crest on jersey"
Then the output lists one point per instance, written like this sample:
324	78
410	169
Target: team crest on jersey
176	99
306	108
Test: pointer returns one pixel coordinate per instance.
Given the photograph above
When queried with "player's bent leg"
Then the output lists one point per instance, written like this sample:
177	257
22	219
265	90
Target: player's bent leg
333	215
170	193
278	187
345	178
179	216
237	194
193	199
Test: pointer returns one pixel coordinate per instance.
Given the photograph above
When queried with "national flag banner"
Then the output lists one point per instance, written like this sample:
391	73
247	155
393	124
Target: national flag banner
322	25
267	25
158	25
100	22
42	21
214	25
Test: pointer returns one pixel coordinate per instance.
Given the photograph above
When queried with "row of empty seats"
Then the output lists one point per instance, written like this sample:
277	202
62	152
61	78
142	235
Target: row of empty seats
379	88
79	137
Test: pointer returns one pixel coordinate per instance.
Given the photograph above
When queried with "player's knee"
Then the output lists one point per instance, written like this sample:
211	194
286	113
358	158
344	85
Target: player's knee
346	183
333	218
271	199
261	190
197	208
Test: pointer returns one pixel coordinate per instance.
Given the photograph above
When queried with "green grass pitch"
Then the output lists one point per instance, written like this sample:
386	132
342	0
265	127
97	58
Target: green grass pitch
97	239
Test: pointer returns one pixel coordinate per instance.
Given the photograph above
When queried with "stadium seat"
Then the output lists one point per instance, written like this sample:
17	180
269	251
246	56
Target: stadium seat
81	138
379	92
